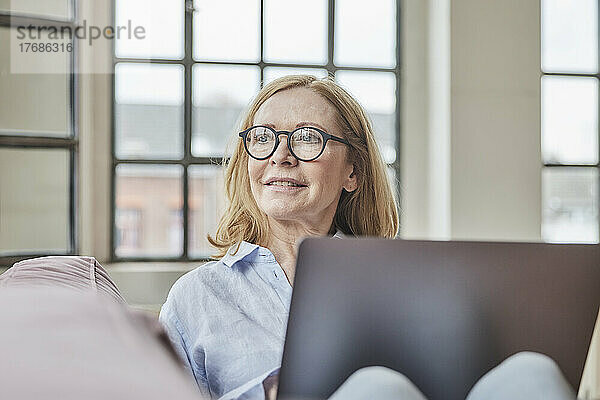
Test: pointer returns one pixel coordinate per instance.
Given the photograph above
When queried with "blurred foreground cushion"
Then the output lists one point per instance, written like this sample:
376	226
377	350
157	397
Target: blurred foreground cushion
66	333
57	343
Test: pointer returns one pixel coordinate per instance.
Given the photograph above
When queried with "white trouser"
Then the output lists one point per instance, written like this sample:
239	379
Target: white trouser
523	376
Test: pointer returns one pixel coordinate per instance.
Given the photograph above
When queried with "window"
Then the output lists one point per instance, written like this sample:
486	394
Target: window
38	136
570	131
179	93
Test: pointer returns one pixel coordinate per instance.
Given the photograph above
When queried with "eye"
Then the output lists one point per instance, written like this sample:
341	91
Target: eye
309	136
261	136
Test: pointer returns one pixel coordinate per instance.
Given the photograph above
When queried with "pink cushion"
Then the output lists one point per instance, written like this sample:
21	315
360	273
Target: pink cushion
68	334
74	272
58	343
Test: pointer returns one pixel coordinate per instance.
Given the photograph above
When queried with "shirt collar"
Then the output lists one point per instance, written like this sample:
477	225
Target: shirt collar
247	248
338	235
244	250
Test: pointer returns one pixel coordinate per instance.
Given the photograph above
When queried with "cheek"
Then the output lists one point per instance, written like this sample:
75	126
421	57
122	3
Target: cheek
328	179
255	169
253	176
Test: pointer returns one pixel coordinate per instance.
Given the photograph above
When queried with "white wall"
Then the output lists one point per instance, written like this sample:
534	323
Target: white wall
496	162
493	137
95	131
414	153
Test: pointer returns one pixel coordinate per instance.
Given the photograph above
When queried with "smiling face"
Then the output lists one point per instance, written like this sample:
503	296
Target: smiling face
292	191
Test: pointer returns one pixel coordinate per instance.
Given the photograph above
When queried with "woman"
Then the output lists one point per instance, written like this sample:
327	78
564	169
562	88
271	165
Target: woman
306	165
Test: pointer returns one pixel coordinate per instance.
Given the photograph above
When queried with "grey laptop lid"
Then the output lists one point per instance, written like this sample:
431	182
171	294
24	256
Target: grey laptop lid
442	313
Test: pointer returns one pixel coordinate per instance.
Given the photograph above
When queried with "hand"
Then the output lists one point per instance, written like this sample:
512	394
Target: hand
270	385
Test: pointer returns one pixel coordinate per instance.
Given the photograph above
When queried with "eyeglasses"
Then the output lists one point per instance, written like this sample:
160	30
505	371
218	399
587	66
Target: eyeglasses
305	143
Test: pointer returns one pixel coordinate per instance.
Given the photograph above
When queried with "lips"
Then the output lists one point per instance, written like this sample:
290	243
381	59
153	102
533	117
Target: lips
284	182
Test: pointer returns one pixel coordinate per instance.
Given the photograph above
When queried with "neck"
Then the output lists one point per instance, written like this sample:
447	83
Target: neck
284	239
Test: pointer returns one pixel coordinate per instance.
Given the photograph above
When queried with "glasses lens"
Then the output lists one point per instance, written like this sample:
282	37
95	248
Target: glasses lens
306	143
260	142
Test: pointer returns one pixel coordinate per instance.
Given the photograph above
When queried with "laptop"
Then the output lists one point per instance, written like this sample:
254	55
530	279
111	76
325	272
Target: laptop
441	313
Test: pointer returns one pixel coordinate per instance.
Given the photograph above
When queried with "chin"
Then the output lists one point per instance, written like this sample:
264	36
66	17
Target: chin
279	214
281	211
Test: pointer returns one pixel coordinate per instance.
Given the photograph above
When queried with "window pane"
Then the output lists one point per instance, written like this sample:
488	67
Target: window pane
235	37
353	46
149	111
34	200
570	205
376	92
569	35
295	31
33	103
272	73
60	9
148	210
207	203
220	94
569	120
161	23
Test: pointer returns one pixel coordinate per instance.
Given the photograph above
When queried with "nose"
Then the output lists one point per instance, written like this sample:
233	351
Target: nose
282	155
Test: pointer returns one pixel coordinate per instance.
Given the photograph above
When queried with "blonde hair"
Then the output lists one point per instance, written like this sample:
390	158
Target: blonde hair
370	210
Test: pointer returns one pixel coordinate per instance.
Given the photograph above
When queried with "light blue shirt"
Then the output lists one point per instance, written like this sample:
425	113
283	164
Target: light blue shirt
227	321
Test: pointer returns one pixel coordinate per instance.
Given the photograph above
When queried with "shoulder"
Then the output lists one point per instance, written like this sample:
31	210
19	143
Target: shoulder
210	283
193	284
199	274
213	285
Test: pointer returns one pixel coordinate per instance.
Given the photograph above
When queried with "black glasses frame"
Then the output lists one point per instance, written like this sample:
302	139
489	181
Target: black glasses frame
326	137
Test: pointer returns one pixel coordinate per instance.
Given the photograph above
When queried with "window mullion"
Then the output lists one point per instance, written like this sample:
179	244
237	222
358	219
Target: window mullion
398	119
261	61
597	194
330	36
187	125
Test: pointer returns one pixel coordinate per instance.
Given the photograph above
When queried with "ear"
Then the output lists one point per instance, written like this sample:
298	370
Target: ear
351	182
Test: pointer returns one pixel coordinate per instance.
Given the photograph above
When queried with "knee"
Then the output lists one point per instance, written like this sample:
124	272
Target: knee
530	361
380	376
523	375
377	382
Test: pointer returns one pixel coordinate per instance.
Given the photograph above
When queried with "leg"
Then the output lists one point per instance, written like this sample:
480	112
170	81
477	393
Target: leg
525	375
377	383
